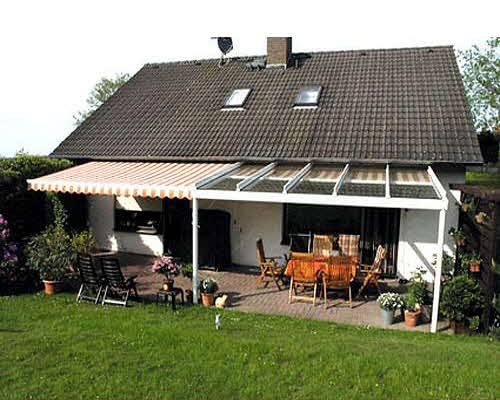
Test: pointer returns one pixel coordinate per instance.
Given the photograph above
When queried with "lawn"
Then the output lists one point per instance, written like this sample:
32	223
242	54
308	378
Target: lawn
483	179
53	348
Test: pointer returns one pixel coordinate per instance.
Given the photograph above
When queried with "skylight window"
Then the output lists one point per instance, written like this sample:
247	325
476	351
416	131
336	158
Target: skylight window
308	96
237	98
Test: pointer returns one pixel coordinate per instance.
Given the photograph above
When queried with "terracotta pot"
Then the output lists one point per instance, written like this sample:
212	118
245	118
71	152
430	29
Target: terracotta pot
208	299
475	267
52	287
168	285
411	318
460	241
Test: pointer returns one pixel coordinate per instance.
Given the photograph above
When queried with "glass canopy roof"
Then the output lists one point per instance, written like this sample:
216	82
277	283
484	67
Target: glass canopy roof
330	179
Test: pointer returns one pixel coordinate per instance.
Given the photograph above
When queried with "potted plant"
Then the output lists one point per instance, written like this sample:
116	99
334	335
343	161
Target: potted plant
50	254
461	301
412	310
473	261
389	302
187	272
166	266
482	218
467	205
208	288
458	236
83	242
417	297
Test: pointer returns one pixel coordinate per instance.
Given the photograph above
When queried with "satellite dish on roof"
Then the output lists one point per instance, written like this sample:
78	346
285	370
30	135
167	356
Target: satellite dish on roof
225	46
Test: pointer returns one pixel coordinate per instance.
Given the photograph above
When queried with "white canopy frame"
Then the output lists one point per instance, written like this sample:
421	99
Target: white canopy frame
335	199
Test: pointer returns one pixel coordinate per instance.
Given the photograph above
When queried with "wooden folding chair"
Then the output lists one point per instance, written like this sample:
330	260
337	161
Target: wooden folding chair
116	284
92	284
303	275
323	245
338	274
373	273
268	267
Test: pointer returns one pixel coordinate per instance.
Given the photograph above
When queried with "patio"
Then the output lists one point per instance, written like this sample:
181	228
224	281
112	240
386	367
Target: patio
240	284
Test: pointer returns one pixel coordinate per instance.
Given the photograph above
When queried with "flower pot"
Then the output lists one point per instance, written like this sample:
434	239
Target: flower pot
475	267
460	241
208	299
411	318
52	287
168	285
189	296
387	317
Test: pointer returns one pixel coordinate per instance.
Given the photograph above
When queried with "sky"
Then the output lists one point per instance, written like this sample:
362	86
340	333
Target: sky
52	53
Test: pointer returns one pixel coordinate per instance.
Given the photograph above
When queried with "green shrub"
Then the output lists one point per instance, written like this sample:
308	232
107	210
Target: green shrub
50	253
462	299
83	242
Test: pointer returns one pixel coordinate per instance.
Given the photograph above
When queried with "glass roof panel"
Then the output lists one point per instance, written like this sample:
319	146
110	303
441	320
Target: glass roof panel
229	182
414	191
366	174
276	179
362	189
409	176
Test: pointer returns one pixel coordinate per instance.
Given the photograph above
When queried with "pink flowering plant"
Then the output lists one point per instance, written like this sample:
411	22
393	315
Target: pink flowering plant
8	249
166	266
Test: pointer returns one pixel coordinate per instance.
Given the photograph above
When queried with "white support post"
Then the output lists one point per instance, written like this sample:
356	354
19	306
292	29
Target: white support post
437	272
195	250
387	182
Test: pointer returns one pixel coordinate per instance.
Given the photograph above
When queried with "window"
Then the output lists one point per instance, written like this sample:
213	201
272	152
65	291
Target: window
237	98
138	215
308	96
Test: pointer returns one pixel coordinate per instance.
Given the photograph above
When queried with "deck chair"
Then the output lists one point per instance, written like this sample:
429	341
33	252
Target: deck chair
323	245
374	272
303	275
92	284
349	246
268	267
118	288
338	274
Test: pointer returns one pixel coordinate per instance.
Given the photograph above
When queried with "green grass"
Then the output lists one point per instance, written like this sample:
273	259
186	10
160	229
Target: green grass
53	348
483	179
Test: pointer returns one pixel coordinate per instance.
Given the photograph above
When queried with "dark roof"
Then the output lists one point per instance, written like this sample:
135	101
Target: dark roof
401	105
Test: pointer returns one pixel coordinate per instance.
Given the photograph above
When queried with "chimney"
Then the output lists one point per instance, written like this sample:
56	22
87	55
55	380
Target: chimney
279	51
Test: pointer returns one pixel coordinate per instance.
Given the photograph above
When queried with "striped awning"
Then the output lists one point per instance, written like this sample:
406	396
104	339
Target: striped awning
138	179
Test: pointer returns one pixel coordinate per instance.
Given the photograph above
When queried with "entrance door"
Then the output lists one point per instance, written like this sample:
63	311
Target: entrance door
380	226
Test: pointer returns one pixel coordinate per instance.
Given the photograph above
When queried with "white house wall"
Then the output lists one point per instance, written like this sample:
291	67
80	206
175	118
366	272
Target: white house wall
101	219
249	221
418	231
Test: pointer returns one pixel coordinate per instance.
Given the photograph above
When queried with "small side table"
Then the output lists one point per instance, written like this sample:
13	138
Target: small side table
164	296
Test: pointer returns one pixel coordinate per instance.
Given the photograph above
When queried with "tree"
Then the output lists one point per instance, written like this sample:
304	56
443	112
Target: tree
481	75
102	91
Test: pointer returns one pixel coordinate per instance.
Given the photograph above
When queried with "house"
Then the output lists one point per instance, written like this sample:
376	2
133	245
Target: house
362	142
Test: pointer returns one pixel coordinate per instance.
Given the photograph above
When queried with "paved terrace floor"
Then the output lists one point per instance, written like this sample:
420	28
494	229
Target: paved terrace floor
240	284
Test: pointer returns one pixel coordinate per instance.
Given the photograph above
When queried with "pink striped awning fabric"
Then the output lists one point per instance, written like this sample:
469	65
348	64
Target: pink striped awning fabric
138	179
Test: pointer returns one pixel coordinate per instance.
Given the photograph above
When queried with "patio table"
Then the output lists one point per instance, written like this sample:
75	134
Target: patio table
319	264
